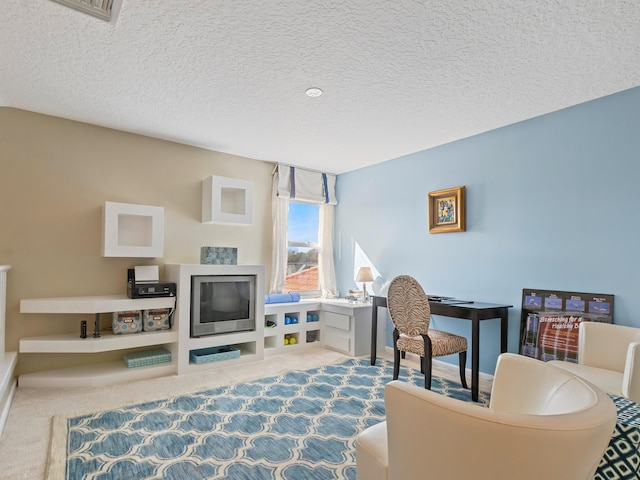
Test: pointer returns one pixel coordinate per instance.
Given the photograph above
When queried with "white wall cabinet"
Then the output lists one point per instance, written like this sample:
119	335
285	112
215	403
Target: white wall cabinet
228	201
131	230
108	373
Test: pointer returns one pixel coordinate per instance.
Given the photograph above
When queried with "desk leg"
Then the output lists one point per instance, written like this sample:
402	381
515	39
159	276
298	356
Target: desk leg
374	332
475	357
504	325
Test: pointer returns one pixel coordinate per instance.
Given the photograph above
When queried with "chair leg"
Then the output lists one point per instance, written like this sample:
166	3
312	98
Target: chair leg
396	354
425	362
462	359
427	372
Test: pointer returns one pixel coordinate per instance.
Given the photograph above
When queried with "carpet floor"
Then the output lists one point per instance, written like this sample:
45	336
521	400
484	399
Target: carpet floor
298	425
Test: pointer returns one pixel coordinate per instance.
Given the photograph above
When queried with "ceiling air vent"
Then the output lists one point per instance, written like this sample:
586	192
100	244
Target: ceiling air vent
103	9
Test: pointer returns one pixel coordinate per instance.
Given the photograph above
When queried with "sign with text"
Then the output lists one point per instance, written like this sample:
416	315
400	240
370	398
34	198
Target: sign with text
550	320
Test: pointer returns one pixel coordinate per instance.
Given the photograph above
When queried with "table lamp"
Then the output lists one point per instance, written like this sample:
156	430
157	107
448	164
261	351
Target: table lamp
364	275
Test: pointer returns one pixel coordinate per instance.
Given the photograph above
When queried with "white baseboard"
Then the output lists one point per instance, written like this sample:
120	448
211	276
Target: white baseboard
415	359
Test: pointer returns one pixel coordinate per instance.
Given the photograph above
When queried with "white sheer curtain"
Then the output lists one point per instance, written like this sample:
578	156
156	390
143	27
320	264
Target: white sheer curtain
280	217
326	268
291	183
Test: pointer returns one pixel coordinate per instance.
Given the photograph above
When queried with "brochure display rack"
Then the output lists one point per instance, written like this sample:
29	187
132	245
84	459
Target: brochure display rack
550	320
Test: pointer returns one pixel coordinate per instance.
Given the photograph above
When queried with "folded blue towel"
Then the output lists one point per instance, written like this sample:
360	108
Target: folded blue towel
281	297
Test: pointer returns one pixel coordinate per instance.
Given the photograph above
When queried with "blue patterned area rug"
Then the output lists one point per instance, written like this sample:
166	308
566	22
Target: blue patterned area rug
299	425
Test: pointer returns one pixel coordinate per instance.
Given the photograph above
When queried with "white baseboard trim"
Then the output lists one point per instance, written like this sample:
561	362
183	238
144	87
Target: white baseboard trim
415	359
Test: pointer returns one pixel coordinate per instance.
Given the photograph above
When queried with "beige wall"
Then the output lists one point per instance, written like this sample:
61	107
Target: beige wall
55	176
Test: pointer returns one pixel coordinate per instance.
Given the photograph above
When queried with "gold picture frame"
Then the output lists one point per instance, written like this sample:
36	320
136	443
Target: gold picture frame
447	210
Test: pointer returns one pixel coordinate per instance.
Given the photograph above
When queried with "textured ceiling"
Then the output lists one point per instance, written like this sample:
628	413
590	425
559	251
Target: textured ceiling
398	76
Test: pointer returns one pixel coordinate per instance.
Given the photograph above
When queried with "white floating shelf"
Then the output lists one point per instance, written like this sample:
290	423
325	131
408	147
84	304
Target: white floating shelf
97	304
228	201
131	230
95	375
72	343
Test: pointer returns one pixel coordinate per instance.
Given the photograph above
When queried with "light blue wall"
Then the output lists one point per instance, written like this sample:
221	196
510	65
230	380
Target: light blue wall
552	203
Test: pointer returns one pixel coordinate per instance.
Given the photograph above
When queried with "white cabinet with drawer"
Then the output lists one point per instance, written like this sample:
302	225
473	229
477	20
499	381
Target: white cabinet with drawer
347	327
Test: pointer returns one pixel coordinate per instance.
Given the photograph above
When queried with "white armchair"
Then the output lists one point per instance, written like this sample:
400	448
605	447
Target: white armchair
542	422
608	357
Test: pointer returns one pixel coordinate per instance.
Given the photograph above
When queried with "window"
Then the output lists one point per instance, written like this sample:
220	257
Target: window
303	212
303	246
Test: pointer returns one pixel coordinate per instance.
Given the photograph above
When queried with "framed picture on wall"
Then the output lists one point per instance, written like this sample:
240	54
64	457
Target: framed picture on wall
446	210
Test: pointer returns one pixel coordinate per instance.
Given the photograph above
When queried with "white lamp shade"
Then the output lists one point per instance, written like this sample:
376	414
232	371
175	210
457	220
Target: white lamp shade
364	275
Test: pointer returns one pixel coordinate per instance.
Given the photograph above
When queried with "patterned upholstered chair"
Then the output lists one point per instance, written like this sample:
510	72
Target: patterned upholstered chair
410	313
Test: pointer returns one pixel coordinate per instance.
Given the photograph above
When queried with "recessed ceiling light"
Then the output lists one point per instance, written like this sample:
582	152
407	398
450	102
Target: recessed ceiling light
313	92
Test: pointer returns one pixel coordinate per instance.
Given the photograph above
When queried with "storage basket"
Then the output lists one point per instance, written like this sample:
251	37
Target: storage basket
129	321
213	354
148	357
158	319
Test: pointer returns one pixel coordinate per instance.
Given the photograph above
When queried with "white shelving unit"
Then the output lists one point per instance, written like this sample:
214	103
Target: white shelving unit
342	326
107	373
334	324
305	331
8	360
250	344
